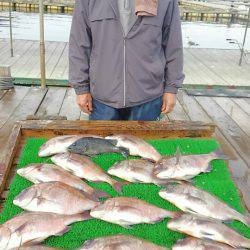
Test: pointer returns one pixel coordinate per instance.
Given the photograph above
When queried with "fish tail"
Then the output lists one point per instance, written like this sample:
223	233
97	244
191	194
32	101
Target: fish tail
97	194
218	154
175	214
245	243
83	216
117	185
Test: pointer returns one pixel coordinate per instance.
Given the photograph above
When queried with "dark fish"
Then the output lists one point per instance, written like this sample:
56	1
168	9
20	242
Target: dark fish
94	146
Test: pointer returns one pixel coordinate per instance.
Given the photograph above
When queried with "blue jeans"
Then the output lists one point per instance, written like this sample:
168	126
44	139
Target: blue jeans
149	111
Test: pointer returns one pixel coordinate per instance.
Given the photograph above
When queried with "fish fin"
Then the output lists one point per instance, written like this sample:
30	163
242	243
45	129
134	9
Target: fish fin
118	186
219	154
112	141
85	216
124	152
245	219
228	221
209	168
97	194
127	226
65	230
178	155
177	214
206	234
19	230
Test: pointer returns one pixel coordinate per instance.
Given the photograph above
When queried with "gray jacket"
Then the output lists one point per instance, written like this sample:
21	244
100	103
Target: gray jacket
124	71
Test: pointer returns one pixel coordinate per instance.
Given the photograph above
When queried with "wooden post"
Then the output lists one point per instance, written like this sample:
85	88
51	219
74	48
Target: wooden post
42	45
11	38
245	36
5	78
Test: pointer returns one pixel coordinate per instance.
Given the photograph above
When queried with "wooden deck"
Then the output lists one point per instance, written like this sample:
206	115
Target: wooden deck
232	115
202	66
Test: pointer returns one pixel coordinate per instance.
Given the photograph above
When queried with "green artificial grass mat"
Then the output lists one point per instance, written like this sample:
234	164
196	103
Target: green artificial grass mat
217	182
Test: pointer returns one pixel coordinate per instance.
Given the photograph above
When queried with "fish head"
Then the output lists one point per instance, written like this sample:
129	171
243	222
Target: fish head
79	146
164	168
101	210
91	244
25	197
117	167
5	235
46	149
59	157
185	244
24	172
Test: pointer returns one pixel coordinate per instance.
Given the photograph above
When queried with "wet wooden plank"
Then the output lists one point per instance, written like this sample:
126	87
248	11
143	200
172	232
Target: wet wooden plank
2	93
62	65
243	104
235	113
11	148
52	102
54	60
239	139
10	102
70	108
27	106
20	66
178	113
139	128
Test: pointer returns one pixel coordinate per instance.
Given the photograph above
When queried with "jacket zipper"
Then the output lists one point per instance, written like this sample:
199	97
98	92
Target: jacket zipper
124	71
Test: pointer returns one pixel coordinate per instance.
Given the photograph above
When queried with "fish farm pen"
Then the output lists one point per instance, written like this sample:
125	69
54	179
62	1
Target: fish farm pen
187	13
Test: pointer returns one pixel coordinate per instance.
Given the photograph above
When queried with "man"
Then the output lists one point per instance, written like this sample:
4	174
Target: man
126	58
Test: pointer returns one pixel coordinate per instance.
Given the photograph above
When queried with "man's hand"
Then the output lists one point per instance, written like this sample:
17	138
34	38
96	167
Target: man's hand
85	102
168	102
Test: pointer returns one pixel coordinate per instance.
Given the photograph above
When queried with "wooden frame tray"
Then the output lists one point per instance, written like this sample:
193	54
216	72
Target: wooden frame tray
51	128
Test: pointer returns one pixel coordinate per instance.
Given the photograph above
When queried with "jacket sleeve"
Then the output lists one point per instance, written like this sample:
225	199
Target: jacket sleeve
80	44
173	48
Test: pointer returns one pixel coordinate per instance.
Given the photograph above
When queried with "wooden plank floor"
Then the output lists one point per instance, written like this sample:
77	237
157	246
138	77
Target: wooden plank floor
202	66
230	114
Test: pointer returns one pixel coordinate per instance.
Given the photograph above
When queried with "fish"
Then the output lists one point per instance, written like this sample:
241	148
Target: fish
191	243
40	172
136	171
120	242
126	212
185	167
209	229
60	144
136	146
29	228
93	146
54	197
85	168
197	201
